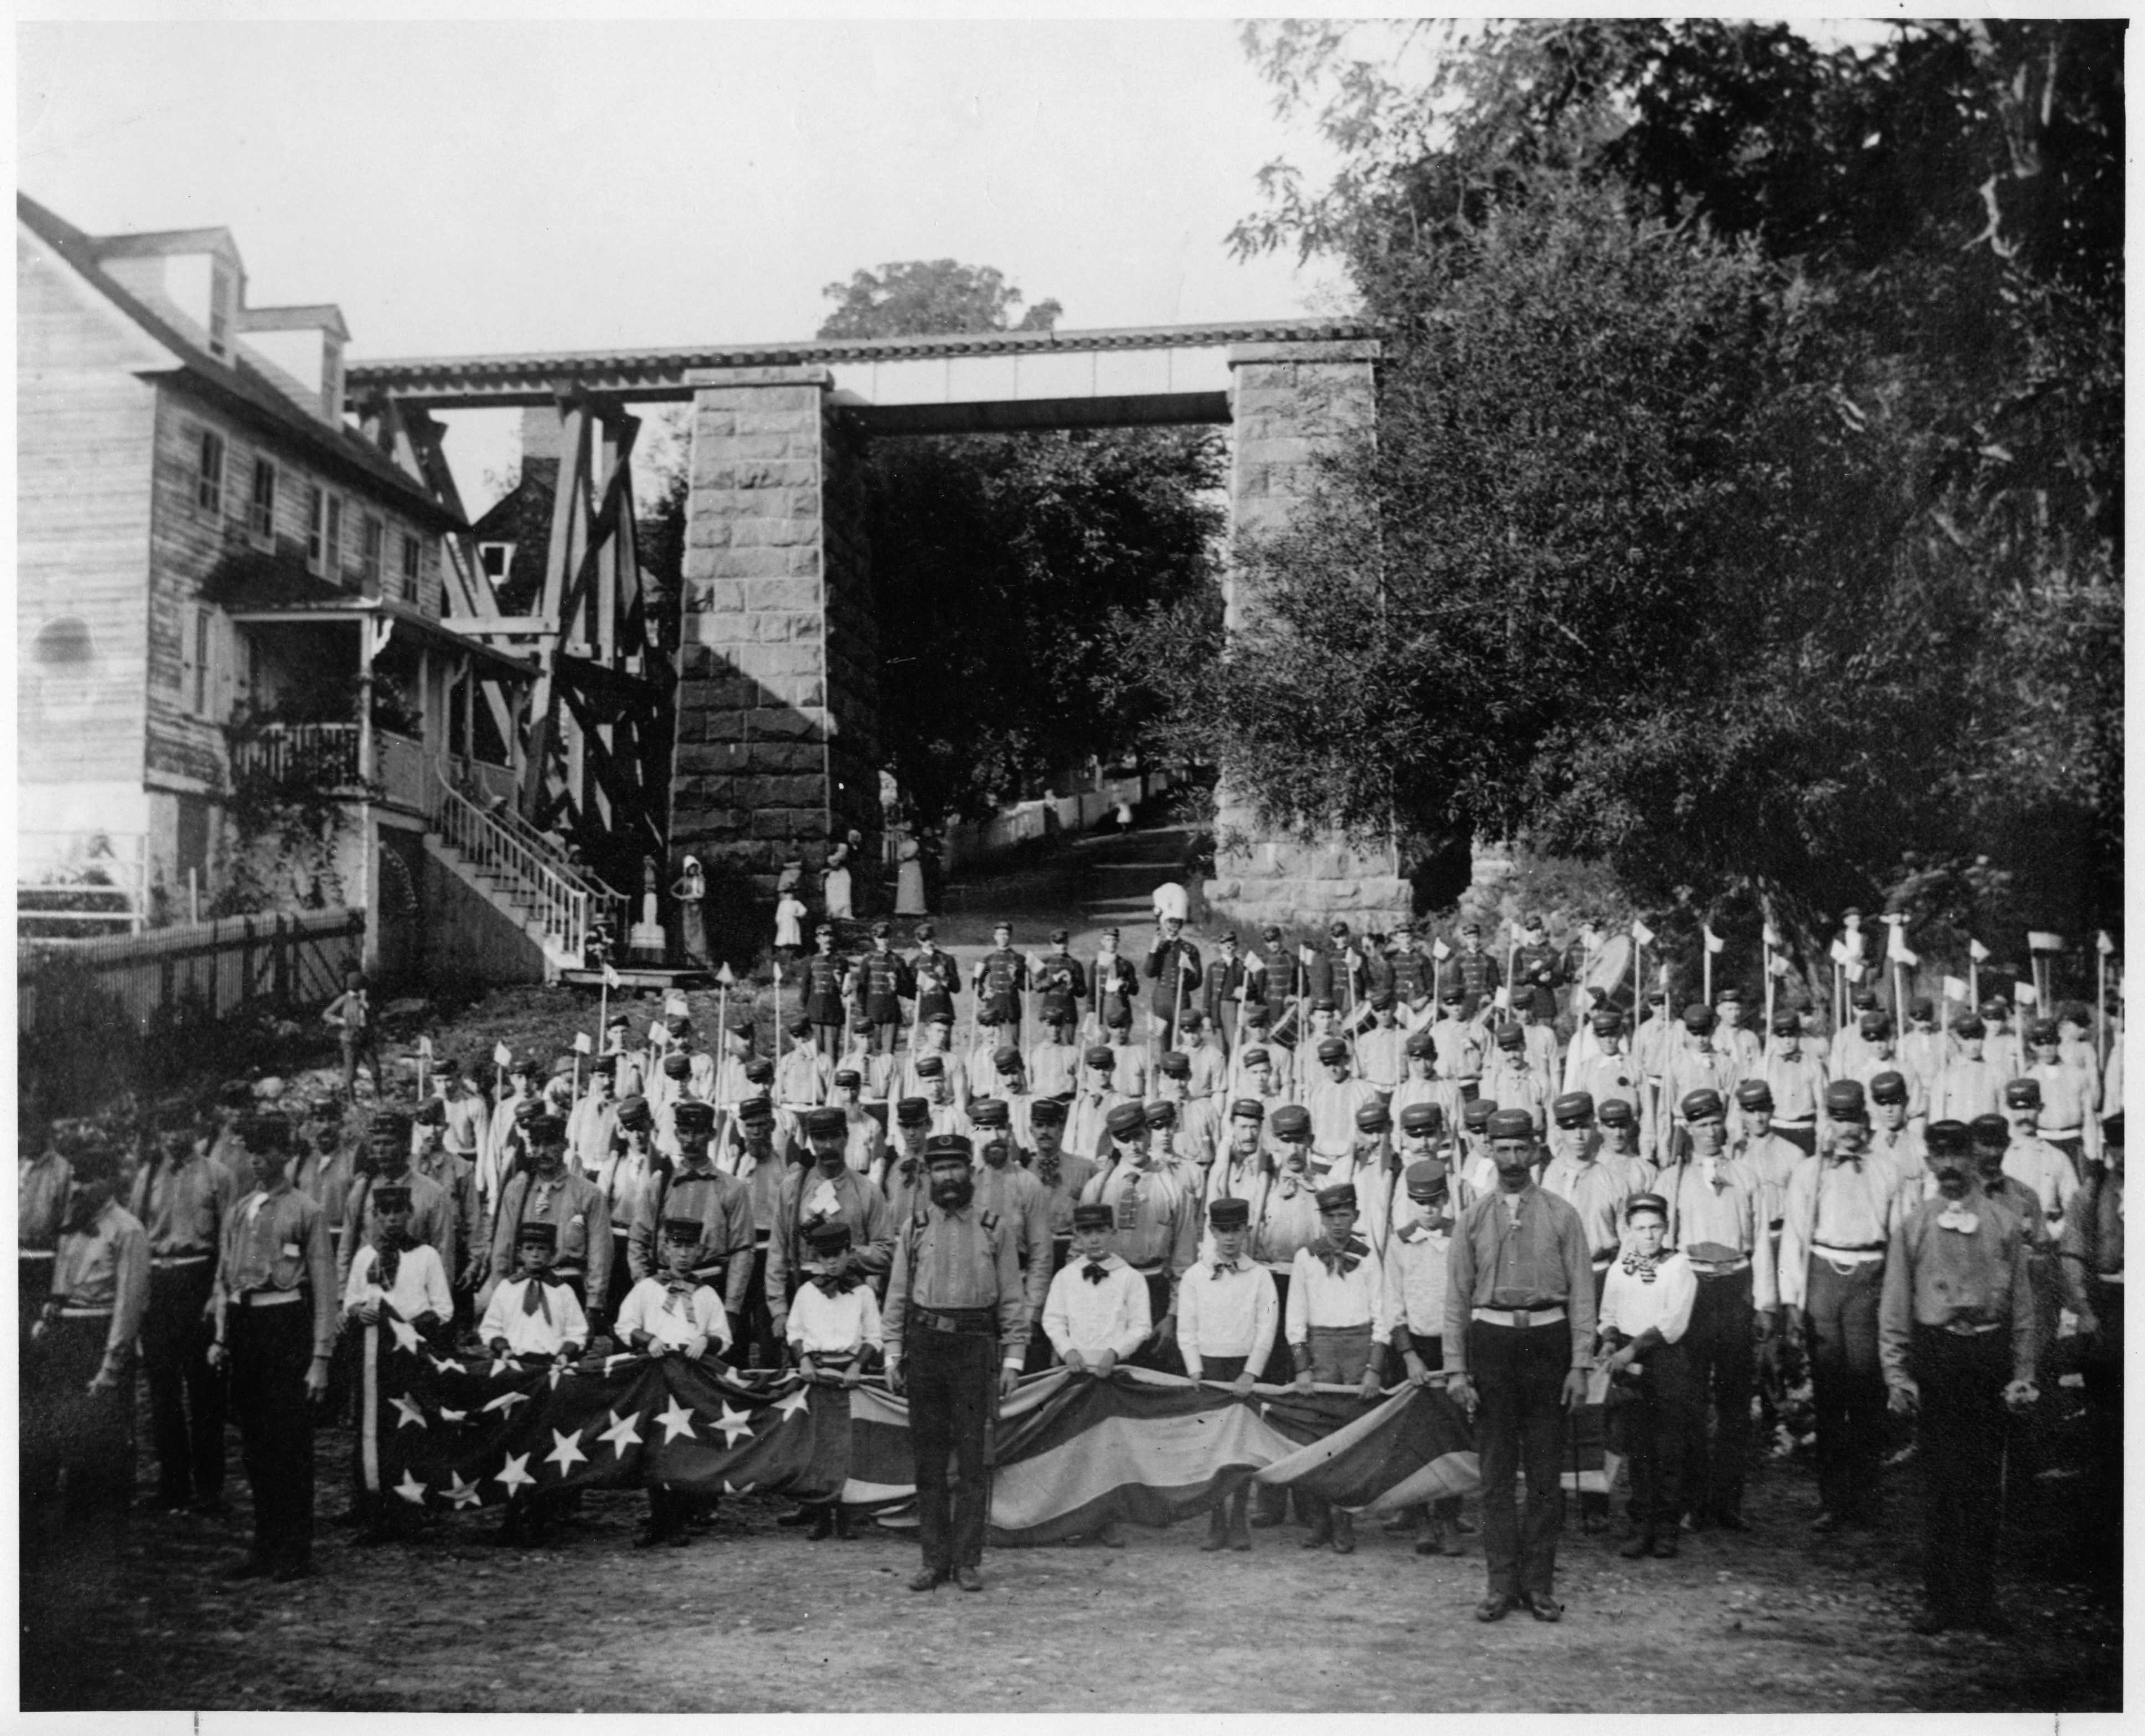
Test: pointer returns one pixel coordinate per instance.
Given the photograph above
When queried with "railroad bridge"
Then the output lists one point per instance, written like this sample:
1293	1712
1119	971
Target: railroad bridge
753	738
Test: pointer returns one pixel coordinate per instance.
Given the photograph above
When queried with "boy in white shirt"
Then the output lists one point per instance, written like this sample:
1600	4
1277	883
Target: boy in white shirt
407	1277
1646	1312
673	1314
1097	1313
1337	1330
834	1335
1415	1256
1227	1314
536	1314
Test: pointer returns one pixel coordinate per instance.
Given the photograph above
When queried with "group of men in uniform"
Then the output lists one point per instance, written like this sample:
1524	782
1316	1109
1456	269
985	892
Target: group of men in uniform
1385	1167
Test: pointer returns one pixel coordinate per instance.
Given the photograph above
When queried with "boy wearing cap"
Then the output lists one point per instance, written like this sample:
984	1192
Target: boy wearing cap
835	1332
1062	985
829	1192
544	1191
1893	1140
1645	1313
935	1036
1774	1159
673	1313
1606	1070
385	1161
2044	1171
1086	1120
1734	1038
804	1077
1096	1311
1333	1101
935	1085
1880	1051
1417	1260
865	1139
535	1313
1794	1082
1969	1085
1955	1320
1596	1191
1373	1169
735	1211
1422	1085
1511	1078
1156	1220
1338	1328
1198	1122
1259	1069
901	1178
398	1270
274	1315
1206	1051
1382	1051
1719	1218
875	1069
1839	1214
1695	1065
954	1305
1229	1312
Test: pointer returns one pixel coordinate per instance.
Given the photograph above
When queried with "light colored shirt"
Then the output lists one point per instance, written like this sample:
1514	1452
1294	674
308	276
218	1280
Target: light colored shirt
1596	1191
2041	1166
558	1323
1053	1068
1418	1262
1838	1205
1156	1222
574	1206
1935	1276
1964	1089
279	1241
674	1318
1631	1305
1716	1219
106	1266
420	1286
1318	1297
1333	1104
1227	1311
1091	1317
41	1196
1540	1261
836	1325
183	1204
805	1078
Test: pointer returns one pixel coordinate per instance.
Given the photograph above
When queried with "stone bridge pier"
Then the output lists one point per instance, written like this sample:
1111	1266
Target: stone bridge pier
778	696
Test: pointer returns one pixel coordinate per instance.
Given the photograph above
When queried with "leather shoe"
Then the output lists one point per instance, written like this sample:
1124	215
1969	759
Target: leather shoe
802	1516
1544	1607
1265	1521
1639	1548
1496	1607
822	1526
1109	1537
1317	1537
926	1578
1433	1543
968	1578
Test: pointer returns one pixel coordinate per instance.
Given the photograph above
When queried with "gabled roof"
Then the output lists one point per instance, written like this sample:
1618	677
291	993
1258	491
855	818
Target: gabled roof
237	386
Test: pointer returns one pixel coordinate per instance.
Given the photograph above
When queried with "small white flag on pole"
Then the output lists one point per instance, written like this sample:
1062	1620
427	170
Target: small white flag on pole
611	978
1439	951
1641	933
1034	965
726	976
1841	955
1902	954
1977	951
1781	966
500	1053
584	1044
1954	988
2105	945
1252	962
2024	994
1304	955
1502	999
2041	940
1714	942
1856	970
1772	937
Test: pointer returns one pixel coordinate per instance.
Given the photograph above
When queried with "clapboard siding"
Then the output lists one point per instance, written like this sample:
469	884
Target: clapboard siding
85	423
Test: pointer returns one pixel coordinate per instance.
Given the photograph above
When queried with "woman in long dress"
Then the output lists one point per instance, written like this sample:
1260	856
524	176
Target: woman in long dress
691	893
910	899
837	883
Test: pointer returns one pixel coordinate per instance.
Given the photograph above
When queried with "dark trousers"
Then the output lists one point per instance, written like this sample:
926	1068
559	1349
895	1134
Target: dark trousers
1723	1370
2102	1510
1431	1347
886	1035
759	1346
271	1351
1518	1374
952	1384
830	1041
1847	1386
1961	1445
1161	1357
356	1046
185	1394
1229	1506
1656	1418
1339	1354
66	1428
1040	1354
1279	1371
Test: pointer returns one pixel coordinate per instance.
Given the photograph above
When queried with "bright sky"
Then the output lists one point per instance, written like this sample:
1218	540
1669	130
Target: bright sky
470	188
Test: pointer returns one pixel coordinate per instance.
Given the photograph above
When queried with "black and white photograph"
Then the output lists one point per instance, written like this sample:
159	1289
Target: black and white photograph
1128	866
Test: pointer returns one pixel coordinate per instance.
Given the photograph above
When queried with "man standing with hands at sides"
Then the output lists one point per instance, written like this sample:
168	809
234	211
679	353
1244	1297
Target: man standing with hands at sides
1156	1222
1062	985
1172	966
953	1300
1227	1314
999	979
276	1318
1956	1319
1519	1333
824	978
350	1013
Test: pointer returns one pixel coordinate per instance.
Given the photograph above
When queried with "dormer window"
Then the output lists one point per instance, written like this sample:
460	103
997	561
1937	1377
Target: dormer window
332	379
222	299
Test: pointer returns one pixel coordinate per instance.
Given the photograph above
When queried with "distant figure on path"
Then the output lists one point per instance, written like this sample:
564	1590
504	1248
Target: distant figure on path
691	893
839	896
910	899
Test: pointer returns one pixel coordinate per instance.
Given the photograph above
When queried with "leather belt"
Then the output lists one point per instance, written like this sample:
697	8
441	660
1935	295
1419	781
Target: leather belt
1800	1124
968	1321
1521	1317
1720	1268
269	1298
2052	1134
170	1260
1856	1256
35	1253
1971	1328
66	1313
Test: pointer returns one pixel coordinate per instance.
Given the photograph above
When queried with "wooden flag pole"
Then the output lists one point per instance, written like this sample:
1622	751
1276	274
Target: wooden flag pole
1705	952
2100	1030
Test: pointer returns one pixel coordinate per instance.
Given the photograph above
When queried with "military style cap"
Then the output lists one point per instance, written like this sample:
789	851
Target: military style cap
1989	1132
990	1112
429	1113
265	1133
1229	1214
1058	936
1420	1044
1422	1118
1731	992
1270	933
1863	999
1292	1120
1923	1008
1191	1023
2022	1094
930	1066
544	1128
1424	1175
1382	1001
1947	1139
676	1067
1161	1113
847	1076
1095	1216
912	1111
826	1123
1470	928
861	1023
1511	1124
1574	1109
1607	1020
2043	1031
1755	1094
1126	1119
1372	1117
1698	1016
396	1121
1331	1049
759	1070
1649	1205
1967	1025
692	1115
1006	1059
1615	1112
1047	1112
948	1148
1512	1037
1339	1197
634	1112
1247	1109
1325	1003
679	1024
830	1236
799	1025
1787	1022
1888	1088
537	1232
1702	1104
1176	1064
1337	929
1844	1101
1252	1057
927	931
757	1111
390	1197
881	929
939	1016
682	1229
1475	1117
1878	1024
1100	1054
1120	1019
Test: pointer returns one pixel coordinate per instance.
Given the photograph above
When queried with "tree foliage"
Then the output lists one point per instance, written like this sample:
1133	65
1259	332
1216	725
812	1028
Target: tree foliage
1011	570
1745	510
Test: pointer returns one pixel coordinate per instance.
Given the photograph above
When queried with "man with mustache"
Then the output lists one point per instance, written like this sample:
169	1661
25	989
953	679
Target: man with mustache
956	1330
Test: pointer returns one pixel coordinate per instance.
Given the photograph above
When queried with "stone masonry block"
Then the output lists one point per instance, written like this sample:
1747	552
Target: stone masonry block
765	563
774	532
804	419
799	596
761	661
783	724
785	758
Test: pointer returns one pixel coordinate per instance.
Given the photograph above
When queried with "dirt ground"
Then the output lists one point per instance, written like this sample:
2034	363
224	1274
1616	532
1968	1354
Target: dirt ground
754	1618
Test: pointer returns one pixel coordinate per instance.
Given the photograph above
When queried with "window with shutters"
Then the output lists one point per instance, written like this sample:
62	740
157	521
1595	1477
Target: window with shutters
412	566
316	527
261	520
373	536
332	539
197	662
208	481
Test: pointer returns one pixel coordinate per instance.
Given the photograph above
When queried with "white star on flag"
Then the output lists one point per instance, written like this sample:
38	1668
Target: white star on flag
613	1362
411	1413
411	1489
733	1424
516	1473
502	1365
406	1335
624	1431
453	1417
794	1405
566	1450
558	1374
730	1488
676	1420
447	1364
506	1401
461	1494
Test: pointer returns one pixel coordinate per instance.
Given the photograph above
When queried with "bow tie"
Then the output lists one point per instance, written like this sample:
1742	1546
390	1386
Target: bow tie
1094	1271
1847	1160
1340	1261
1957	1217
1642	1265
1225	1265
1047	1170
831	1286
1425	1228
388	1261
1710	1168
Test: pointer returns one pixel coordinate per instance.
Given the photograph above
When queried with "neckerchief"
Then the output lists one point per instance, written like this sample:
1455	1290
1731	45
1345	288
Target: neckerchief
387	1258
679	1297
1048	1170
1642	1266
830	1285
1847	1160
1710	1168
1094	1271
1956	1216
533	1297
1340	1261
